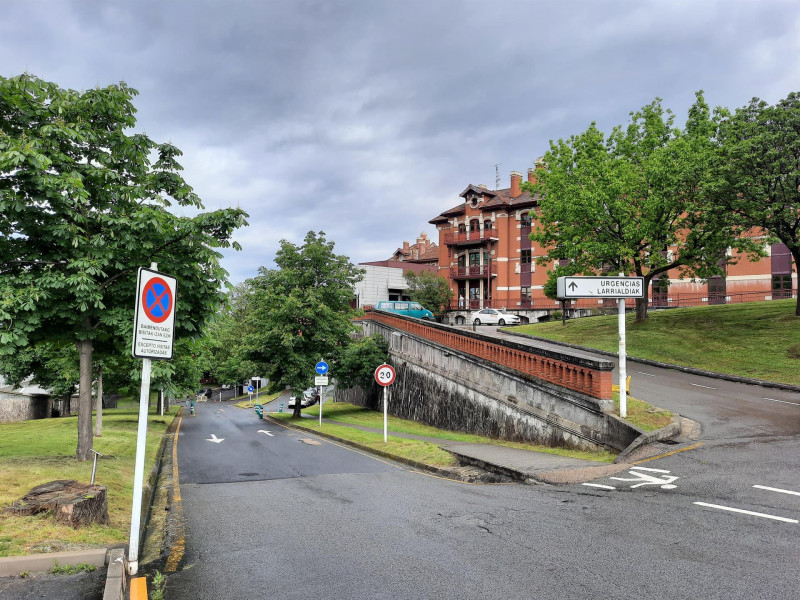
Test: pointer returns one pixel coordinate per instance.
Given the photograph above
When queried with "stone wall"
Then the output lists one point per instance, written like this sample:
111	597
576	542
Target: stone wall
454	390
23	407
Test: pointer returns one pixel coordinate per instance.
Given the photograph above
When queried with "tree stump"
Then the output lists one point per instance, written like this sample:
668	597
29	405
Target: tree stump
73	503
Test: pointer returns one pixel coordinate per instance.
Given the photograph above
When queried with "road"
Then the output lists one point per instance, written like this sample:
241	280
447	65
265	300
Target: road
288	515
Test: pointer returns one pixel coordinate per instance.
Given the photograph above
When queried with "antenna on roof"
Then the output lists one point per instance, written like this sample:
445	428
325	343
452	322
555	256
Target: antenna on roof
496	177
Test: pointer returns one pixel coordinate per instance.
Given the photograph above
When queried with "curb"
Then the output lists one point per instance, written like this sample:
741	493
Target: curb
654	363
441	472
14	565
664	433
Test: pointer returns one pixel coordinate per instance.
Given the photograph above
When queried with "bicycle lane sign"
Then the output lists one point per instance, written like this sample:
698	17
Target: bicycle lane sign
153	328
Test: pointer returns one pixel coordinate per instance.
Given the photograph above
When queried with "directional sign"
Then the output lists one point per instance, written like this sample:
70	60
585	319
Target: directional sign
385	375
250	388
215	439
153	326
600	287
321	367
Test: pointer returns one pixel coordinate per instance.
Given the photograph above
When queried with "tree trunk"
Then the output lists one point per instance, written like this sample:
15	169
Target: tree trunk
85	349
297	408
98	421
796	256
641	303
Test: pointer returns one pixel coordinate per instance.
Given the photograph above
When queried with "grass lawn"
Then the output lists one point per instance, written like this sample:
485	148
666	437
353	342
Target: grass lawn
357	415
42	450
754	339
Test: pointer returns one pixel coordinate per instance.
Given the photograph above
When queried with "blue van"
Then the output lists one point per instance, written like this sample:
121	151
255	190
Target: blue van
409	309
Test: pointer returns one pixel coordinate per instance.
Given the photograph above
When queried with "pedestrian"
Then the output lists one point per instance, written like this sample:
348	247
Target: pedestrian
461	301
208	393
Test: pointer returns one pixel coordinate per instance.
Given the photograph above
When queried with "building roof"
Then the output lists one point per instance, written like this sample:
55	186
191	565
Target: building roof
405	266
496	199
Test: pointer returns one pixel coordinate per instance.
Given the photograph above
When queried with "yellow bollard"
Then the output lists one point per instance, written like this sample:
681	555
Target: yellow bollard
615	388
139	588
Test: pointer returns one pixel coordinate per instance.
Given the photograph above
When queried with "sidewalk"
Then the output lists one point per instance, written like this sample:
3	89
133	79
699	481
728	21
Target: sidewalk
523	465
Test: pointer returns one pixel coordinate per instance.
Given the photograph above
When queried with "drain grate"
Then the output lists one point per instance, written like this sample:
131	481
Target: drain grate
248	474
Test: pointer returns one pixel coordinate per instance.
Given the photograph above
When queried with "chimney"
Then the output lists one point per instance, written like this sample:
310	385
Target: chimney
531	175
405	247
516	181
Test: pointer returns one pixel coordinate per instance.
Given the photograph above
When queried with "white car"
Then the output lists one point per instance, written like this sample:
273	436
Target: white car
309	398
493	316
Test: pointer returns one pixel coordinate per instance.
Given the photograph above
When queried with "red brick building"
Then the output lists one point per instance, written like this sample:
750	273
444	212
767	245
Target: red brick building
486	254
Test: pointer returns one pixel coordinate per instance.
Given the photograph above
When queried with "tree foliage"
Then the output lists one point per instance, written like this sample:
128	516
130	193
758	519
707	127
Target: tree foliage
429	289
758	170
356	364
622	203
302	312
83	204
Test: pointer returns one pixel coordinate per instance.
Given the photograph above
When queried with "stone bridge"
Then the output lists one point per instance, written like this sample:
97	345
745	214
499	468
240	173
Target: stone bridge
465	381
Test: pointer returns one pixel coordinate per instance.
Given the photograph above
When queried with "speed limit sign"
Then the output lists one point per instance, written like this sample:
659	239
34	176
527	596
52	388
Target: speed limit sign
384	375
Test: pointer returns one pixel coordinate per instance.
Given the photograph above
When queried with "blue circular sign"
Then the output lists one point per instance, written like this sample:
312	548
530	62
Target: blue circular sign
322	367
249	388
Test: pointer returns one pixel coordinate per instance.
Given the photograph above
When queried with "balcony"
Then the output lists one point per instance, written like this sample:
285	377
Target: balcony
466	238
473	272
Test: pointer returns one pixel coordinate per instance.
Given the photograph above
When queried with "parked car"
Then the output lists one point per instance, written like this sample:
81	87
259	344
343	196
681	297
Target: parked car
493	316
310	398
410	309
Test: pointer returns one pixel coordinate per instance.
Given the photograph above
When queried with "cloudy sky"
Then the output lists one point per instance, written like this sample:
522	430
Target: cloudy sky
367	118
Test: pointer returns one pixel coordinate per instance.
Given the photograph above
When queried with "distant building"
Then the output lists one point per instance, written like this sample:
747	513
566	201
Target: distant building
424	251
485	252
384	280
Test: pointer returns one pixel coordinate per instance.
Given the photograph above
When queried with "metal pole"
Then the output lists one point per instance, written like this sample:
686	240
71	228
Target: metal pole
320	406
138	473
623	375
94	466
385	415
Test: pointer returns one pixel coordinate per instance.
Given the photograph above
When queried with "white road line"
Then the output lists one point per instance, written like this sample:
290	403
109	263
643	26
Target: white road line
770	489
600	485
747	512
653	470
782	401
702	386
648	374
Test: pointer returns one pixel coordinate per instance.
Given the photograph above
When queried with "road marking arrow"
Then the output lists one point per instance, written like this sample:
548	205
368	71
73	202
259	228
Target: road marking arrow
214	439
269	433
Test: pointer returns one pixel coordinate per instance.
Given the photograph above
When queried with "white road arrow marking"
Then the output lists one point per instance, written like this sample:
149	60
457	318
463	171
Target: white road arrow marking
269	433
214	439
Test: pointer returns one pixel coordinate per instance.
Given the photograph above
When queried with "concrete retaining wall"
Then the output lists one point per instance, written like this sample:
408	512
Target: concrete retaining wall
449	389
23	407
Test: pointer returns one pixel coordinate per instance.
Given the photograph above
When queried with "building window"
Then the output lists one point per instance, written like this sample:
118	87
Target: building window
781	286
525	292
474	226
525	219
525	257
474	259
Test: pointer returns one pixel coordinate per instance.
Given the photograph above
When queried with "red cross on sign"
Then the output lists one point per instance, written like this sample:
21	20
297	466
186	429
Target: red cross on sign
155	315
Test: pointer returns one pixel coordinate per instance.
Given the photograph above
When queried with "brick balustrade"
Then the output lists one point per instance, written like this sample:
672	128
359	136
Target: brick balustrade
590	377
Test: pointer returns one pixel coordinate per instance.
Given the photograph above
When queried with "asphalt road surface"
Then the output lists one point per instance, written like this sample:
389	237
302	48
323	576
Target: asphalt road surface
273	513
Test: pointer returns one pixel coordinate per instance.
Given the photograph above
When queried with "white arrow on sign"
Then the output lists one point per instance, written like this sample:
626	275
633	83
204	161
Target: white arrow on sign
214	439
269	433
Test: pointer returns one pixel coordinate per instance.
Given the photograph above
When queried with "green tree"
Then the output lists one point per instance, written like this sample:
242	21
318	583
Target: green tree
429	289
620	204
83	204
759	170
227	334
302	312
356	364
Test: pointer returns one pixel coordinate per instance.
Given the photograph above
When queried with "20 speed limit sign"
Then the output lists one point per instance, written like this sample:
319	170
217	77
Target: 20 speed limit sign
385	375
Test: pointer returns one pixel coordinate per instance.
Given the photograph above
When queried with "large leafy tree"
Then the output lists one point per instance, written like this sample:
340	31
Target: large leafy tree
227	335
622	203
429	289
302	312
759	170
83	204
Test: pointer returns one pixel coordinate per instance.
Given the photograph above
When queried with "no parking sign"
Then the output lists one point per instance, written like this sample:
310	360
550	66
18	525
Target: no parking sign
153	326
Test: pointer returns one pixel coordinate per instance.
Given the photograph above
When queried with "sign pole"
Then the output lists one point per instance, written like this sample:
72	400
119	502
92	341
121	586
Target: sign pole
320	407
385	415
385	376
623	374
